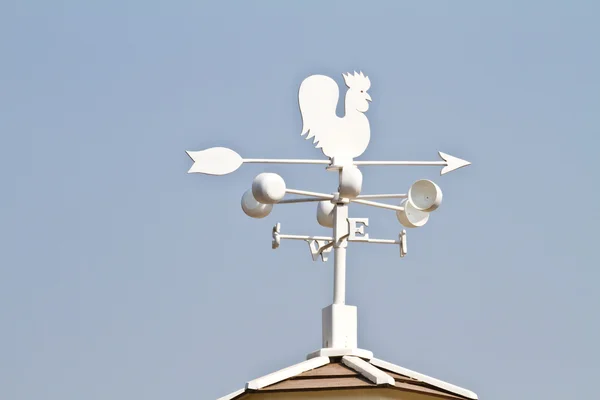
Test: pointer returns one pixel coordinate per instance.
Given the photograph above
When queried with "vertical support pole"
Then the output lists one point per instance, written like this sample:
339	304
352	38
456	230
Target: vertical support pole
340	234
339	319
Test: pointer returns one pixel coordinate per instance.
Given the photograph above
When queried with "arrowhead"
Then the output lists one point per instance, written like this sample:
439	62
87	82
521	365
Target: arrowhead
214	161
452	163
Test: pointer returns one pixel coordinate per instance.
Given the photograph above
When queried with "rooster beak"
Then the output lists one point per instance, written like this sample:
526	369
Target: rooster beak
368	97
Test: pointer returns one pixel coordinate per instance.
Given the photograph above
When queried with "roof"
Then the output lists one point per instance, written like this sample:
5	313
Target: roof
350	372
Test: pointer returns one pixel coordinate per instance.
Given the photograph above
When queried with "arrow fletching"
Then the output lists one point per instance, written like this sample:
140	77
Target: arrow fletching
214	161
452	163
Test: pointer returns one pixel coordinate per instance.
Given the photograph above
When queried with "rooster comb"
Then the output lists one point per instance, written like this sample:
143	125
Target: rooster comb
357	80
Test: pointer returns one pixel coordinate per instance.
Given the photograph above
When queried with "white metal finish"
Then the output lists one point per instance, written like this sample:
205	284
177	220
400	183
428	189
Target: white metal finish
283	161
335	352
322	245
410	217
367	370
380	241
356	229
425	195
268	188
401	163
276	236
293	201
340	326
311	194
424	378
320	248
340	139
306	237
215	161
382	196
222	161
452	163
253	208
403	244
340	232
325	213
350	182
286	373
376	204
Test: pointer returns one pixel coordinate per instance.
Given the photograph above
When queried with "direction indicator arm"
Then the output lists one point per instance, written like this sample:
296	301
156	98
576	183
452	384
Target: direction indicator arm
223	161
283	161
449	163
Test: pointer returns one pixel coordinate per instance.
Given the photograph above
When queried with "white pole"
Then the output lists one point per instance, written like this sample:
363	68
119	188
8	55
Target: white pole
339	275
340	232
340	228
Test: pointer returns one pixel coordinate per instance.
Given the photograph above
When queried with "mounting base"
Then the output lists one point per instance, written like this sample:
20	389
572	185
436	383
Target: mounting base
330	352
339	323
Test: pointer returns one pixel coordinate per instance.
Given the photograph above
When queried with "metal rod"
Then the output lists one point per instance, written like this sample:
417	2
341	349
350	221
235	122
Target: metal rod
290	201
302	237
376	204
311	194
339	275
340	234
423	163
382	196
383	241
284	161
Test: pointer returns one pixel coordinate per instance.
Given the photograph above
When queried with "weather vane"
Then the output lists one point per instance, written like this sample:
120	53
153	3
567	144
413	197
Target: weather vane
341	140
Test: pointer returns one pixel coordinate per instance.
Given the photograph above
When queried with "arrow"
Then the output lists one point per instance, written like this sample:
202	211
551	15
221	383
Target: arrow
450	163
222	161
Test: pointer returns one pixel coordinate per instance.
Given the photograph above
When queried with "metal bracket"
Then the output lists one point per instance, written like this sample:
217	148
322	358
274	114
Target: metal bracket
403	245
276	236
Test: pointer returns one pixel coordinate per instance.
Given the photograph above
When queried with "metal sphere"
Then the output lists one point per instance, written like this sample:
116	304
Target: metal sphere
350	182
268	188
253	208
325	213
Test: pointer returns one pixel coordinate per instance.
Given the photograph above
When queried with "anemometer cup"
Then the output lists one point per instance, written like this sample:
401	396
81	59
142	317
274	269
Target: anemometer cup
253	208
350	182
411	217
425	195
325	213
268	188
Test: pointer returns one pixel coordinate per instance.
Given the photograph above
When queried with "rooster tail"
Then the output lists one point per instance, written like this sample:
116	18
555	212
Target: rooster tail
318	97
310	135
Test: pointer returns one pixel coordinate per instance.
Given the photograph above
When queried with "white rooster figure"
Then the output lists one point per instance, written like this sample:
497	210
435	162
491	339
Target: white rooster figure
344	138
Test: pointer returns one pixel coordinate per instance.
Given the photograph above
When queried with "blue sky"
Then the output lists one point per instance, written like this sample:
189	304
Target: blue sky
123	277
